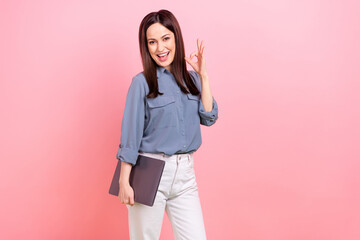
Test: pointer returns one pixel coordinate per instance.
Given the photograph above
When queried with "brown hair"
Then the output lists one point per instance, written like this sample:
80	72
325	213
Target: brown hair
178	66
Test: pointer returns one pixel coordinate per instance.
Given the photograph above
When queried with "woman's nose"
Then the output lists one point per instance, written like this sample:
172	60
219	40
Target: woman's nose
160	47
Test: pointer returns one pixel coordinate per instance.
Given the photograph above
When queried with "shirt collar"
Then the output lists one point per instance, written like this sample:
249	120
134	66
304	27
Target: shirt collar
160	70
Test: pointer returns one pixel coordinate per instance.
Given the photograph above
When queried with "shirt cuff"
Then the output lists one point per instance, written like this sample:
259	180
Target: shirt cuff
208	118
127	155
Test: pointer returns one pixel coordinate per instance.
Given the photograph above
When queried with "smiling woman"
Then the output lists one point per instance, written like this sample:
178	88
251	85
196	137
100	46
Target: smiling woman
160	34
162	117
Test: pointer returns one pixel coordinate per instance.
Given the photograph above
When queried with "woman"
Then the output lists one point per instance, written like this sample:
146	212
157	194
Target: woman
165	106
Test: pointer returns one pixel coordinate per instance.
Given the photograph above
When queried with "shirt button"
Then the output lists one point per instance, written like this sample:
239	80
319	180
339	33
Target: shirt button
183	133
184	145
178	91
182	119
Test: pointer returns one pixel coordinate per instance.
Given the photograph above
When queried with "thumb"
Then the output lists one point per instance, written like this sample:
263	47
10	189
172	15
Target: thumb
131	201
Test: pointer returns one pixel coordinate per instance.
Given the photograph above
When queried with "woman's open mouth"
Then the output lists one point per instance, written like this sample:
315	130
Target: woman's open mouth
163	57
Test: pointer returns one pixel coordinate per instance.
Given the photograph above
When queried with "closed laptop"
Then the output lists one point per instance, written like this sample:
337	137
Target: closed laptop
144	178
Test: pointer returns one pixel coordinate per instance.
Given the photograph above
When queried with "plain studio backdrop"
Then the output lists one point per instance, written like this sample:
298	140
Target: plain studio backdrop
281	163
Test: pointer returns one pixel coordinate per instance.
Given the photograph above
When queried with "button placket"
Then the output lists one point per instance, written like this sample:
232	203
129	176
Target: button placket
182	123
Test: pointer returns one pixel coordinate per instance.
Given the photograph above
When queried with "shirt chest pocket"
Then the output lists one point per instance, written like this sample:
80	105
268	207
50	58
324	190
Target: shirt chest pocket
162	111
193	102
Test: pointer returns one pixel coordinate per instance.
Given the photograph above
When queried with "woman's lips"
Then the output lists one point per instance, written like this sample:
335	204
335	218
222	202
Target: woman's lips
162	53
163	58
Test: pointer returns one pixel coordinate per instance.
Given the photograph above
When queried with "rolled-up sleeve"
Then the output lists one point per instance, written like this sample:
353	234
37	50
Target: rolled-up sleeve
208	118
132	126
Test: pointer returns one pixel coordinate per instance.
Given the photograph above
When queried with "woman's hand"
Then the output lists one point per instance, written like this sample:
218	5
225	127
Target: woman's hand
126	194
200	65
200	68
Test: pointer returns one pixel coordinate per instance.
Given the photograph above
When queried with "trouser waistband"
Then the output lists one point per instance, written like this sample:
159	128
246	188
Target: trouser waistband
165	157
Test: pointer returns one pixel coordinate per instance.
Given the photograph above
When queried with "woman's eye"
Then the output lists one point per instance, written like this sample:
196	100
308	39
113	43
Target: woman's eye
151	42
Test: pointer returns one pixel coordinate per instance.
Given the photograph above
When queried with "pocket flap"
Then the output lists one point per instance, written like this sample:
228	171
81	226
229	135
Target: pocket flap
193	97
160	101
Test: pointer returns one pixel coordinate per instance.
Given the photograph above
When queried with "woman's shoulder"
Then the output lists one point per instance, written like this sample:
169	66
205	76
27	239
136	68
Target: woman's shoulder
193	73
139	77
196	78
139	81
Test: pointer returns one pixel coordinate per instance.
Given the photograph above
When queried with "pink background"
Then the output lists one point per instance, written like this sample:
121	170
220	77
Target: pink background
281	163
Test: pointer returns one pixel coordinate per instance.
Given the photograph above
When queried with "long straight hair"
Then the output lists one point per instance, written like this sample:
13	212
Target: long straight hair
178	66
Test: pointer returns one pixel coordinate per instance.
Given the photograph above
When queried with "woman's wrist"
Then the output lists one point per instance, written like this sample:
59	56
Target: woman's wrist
124	182
125	173
204	77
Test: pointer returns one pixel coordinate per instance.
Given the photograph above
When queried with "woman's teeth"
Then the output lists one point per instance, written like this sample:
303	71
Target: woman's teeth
161	55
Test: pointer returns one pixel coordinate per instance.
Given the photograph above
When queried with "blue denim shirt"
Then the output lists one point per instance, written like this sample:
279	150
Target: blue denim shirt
169	123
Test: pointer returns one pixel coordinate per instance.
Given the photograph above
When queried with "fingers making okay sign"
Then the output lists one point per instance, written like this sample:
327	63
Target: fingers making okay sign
200	65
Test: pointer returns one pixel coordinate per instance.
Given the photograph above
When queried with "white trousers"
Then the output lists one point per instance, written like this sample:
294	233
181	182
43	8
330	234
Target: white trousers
178	195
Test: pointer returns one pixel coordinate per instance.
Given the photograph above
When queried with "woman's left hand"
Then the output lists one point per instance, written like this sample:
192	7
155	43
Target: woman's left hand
200	65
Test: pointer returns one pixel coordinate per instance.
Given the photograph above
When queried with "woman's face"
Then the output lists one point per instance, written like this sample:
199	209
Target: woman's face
161	40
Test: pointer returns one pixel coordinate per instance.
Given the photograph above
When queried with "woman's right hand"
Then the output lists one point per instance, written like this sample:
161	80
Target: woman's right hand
126	194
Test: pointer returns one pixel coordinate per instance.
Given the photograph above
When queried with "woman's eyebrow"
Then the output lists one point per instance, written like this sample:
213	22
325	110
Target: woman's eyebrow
161	37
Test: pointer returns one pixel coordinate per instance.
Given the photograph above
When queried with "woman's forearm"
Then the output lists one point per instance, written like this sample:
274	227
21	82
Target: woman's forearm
125	173
206	96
